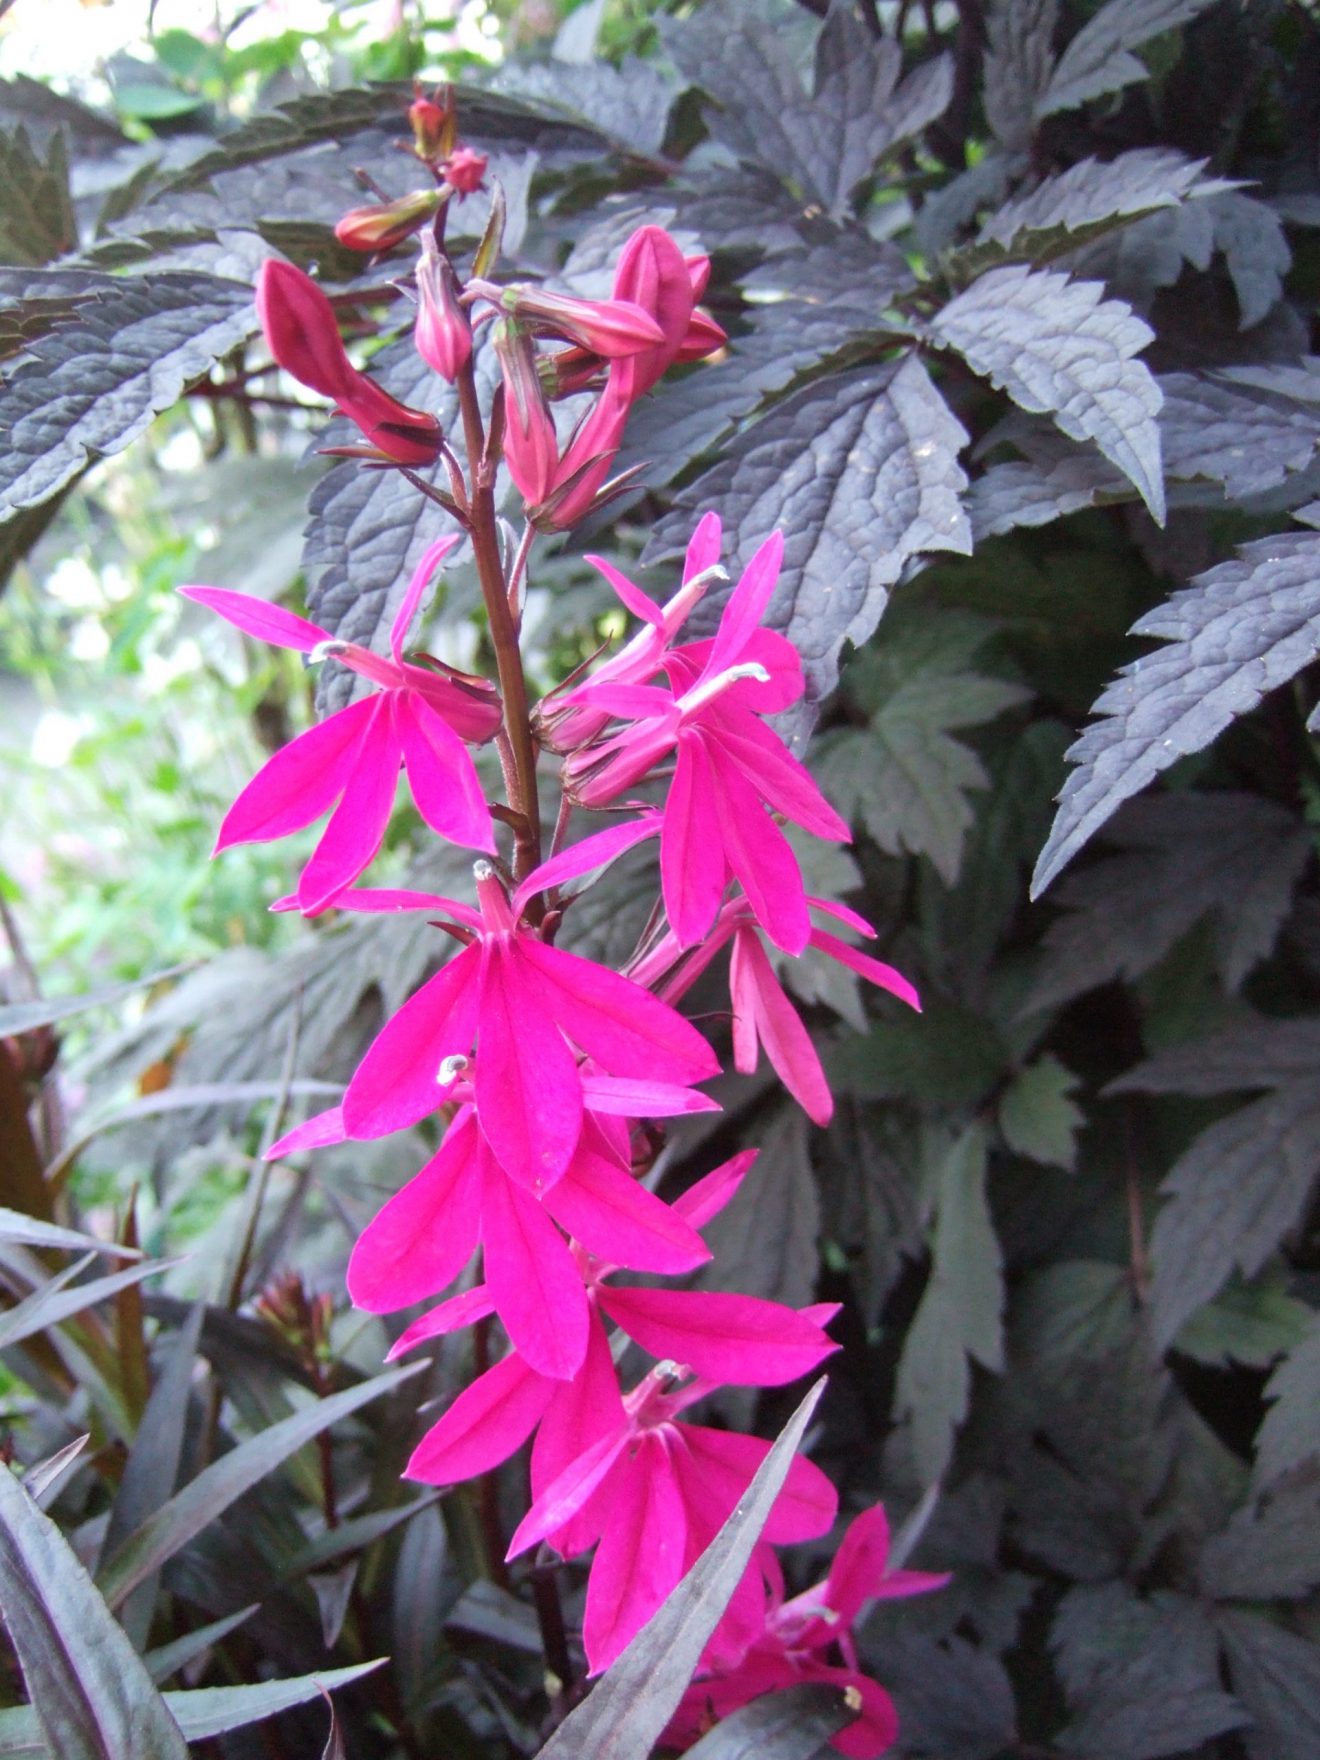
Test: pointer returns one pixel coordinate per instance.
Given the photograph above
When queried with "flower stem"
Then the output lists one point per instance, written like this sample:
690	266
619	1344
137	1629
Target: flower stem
518	752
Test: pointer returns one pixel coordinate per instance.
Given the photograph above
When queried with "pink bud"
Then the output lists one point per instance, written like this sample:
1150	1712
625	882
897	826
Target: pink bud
442	334
433	127
531	449
609	328
585	463
301	329
384	224
704	336
464	169
653	274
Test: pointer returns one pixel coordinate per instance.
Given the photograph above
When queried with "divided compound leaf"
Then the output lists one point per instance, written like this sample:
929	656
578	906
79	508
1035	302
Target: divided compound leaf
1099	58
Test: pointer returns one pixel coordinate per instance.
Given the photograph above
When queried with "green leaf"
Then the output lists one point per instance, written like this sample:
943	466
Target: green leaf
92	1697
168	1659
946	1056
960	1315
28	1232
54	1302
1037	1117
21	1017
789	1725
36	211
219	1485
1276	1675
1290	1433
904	777
1250	1323
1072	1310
630	1705
1270	1548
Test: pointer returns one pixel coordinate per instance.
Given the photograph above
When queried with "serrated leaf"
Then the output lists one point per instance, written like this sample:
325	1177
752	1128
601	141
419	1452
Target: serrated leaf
955	1701
1290	1433
1058	348
861	472
1079	204
1019	59
1256	252
1038	1118
214	1489
1142	1675
36	211
1232	1196
92	1697
1270	1549
1250	1323
904	777
828	142
1074	1310
1097	60
631	1704
960	1315
948	1056
629	103
88	389
1234	857
1237	632
1276	1675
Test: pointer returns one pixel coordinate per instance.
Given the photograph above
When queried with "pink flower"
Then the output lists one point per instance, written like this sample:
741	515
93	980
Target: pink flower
652	1492
524	1006
464	170
730	767
302	333
608	328
797	1636
531	446
442	334
763	1016
417	717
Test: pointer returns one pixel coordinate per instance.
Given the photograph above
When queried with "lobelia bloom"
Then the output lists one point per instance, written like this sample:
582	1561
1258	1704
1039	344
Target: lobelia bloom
417	718
442	334
796	1637
302	333
730	767
524	1006
763	1016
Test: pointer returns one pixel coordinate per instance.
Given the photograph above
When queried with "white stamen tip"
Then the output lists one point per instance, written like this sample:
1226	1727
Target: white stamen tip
482	871
324	650
451	1069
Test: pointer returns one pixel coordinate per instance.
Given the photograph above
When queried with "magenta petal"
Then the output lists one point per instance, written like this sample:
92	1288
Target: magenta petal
625	1029
747	604
536	1287
317	1132
442	775
581	858
739	1340
632	596
693	868
777	776
703	549
565	1495
788	1045
725	1463
448	1316
873	969
619	1221
397	1081
859	1564
582	1411
258	617
719	1187
529	1094
875	1729
640	1556
629	702
485	1424
357	825
300	782
631	1097
432	557
388	900
426	1234
759	854
844	913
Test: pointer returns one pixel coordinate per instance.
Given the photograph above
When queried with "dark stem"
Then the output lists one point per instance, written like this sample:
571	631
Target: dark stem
550	1615
518	752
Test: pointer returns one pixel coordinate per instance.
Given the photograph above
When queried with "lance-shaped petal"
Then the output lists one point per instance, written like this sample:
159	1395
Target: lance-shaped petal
418	719
524	1008
609	328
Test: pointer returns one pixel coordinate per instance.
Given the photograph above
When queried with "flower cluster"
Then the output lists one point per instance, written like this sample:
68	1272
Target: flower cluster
547	1073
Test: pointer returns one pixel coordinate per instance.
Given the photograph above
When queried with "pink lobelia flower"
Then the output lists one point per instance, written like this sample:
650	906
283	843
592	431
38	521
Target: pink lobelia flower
524	1006
424	1236
418	718
442	333
763	1016
796	1639
302	333
730	768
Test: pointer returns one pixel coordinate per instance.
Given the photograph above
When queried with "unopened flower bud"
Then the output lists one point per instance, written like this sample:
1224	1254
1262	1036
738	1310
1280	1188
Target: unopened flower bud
301	329
531	448
385	224
464	169
608	328
433	127
442	334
